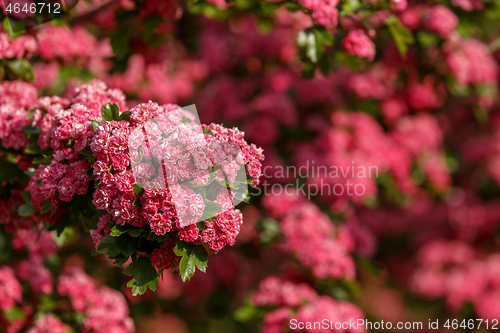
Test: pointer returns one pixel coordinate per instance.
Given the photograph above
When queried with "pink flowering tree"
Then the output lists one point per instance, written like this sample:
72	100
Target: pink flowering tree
378	196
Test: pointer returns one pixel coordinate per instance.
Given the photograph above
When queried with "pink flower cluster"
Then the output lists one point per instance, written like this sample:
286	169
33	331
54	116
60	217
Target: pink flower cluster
310	235
441	20
49	324
455	271
356	144
358	43
39	247
126	153
105	309
470	62
24	46
9	217
299	301
70	131
64	43
11	291
16	99
324	12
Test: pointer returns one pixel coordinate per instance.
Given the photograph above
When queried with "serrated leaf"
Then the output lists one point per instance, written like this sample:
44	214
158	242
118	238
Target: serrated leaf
152	284
116	232
110	112
127	245
120	260
119	230
125	115
143	271
109	246
135	289
402	35
192	256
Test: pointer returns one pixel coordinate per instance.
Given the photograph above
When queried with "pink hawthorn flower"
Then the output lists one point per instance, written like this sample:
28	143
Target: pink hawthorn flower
10	289
49	324
441	20
357	43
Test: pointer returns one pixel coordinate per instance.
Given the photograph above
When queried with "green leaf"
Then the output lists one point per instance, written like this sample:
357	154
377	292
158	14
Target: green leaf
31	130
350	6
33	149
116	232
207	130
26	209
309	70
153	283
120	260
150	23
192	256
402	36
138	189
120	42
292	6
246	313
42	160
119	230
324	65
143	271
22	69
426	39
270	230
323	36
201	226
154	237
110	112
14	313
89	156
109	246
125	115
135	289
26	196
47	206
126	244
95	124
137	203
